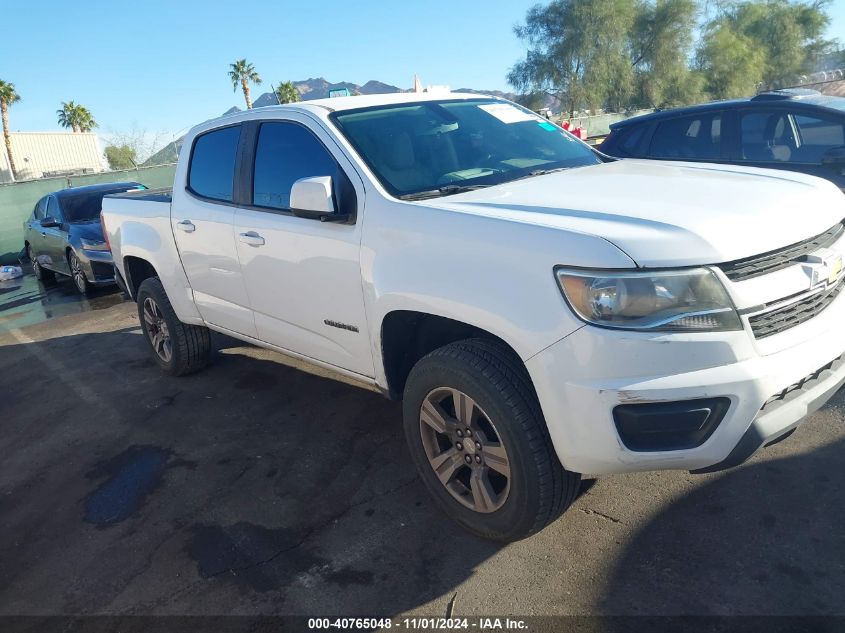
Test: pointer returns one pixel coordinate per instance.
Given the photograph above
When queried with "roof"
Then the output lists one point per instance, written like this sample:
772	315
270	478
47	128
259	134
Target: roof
789	95
98	188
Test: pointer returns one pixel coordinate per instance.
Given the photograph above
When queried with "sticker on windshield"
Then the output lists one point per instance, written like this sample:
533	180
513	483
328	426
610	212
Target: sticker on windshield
506	113
548	126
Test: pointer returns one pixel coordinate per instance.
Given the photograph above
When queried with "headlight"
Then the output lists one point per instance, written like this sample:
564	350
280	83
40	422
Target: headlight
94	245
666	301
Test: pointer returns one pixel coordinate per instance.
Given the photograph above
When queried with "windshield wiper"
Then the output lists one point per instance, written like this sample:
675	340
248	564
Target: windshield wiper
543	172
445	190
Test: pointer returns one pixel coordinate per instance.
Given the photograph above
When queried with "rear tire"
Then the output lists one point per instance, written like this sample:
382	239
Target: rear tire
178	348
41	274
503	480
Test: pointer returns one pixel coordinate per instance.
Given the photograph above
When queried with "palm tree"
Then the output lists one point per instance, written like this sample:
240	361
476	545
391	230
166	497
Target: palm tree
86	119
286	93
67	116
76	117
8	96
242	72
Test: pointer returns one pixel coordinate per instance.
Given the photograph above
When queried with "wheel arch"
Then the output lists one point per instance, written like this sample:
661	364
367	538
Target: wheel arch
408	335
137	270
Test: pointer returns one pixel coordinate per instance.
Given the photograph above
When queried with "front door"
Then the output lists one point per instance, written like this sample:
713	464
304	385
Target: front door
303	276
202	222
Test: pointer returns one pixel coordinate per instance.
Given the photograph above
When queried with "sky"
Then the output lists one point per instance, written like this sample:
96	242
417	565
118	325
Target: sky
160	66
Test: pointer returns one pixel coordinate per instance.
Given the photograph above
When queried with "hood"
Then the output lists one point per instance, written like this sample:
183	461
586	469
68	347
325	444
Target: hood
91	230
666	213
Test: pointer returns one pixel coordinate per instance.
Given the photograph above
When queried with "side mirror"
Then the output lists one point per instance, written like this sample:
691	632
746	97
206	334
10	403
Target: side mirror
313	198
50	222
834	158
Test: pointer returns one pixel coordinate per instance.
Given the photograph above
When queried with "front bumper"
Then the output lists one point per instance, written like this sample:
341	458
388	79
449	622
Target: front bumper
98	266
582	378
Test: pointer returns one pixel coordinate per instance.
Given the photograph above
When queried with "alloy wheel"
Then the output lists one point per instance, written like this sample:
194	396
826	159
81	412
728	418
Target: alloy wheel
77	273
157	330
465	450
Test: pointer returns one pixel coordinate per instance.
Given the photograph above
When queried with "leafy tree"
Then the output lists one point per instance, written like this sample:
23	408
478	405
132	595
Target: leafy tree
242	73
783	39
532	100
661	44
76	117
732	63
122	157
8	96
578	52
286	92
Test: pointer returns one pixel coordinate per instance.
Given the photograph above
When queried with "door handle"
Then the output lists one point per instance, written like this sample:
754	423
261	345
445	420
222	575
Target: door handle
252	238
187	226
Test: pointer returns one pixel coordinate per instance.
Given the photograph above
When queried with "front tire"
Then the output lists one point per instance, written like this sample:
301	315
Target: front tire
178	348
77	274
480	443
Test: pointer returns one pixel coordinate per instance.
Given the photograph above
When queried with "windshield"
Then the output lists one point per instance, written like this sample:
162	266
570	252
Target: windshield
443	147
86	207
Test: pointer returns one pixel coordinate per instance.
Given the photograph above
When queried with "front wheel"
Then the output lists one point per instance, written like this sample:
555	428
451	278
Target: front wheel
177	347
480	443
77	274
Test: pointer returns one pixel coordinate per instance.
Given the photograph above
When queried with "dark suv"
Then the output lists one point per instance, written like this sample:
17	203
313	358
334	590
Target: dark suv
796	129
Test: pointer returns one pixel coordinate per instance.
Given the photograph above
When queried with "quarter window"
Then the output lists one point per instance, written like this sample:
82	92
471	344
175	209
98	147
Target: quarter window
697	137
285	153
212	170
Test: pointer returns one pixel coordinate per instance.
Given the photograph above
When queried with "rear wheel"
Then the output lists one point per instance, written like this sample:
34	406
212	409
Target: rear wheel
480	443
77	274
177	347
41	274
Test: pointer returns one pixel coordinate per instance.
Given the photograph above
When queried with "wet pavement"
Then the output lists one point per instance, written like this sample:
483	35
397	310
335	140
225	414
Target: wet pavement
254	488
26	301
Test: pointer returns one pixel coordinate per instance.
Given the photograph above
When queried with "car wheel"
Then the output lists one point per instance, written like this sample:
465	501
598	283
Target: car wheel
77	274
177	347
41	274
480	443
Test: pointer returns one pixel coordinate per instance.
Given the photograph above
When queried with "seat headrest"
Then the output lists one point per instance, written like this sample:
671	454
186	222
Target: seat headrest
399	151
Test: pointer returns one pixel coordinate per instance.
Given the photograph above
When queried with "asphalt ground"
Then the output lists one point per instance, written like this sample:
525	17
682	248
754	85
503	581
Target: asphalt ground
255	488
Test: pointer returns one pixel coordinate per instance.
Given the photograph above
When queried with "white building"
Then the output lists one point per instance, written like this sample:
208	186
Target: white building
40	154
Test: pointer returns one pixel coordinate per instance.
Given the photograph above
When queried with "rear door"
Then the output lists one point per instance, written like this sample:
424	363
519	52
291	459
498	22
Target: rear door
791	138
33	228
202	221
303	276
694	137
54	239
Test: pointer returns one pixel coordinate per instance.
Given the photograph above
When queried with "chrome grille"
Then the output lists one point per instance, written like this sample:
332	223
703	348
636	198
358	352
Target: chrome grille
780	319
751	267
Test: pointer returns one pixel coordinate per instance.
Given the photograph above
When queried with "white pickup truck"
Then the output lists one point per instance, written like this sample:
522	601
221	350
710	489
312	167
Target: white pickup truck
543	310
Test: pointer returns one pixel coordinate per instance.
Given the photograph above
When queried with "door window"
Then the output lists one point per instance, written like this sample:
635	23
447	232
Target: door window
817	135
697	137
285	153
212	169
53	210
767	137
40	208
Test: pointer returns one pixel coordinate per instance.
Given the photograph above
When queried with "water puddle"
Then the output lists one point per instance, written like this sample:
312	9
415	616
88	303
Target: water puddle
27	301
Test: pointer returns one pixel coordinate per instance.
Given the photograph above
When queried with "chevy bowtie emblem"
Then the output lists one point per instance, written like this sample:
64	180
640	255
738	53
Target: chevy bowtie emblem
823	267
